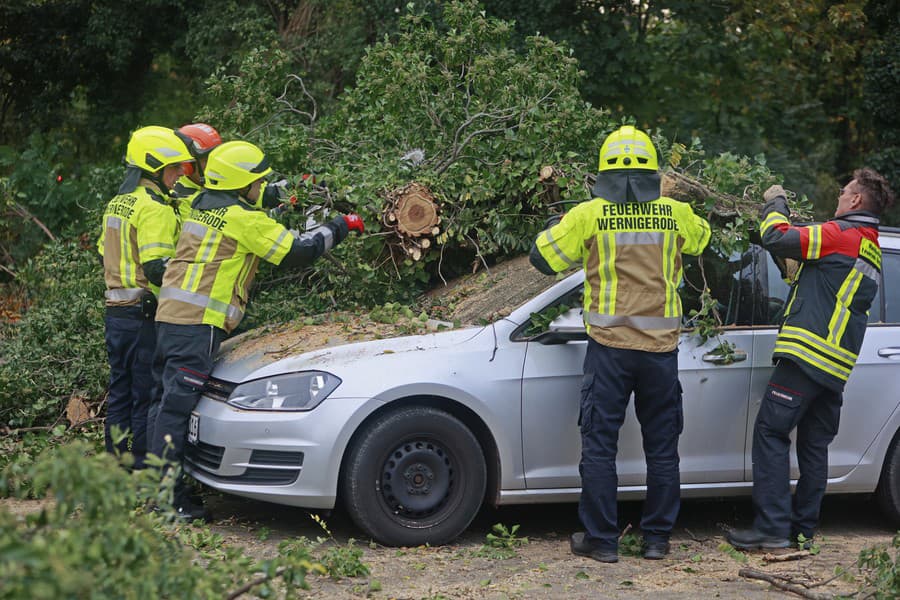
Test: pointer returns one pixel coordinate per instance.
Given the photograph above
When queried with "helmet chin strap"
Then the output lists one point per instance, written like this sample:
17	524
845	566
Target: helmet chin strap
242	194
157	178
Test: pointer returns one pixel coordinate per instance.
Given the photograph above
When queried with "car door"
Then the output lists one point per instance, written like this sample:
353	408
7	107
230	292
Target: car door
715	396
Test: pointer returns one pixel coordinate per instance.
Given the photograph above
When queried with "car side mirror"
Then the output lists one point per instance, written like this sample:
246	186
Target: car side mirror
567	327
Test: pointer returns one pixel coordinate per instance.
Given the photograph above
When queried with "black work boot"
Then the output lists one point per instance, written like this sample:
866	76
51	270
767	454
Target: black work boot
583	548
751	539
188	510
655	550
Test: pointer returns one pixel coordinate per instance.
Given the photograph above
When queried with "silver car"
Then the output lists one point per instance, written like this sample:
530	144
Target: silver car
413	434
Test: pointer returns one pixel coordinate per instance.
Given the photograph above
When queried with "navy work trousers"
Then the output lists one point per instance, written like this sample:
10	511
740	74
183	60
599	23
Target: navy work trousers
792	400
610	377
130	341
183	361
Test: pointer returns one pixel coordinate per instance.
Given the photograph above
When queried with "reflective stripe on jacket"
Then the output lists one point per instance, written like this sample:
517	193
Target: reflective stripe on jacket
138	227
631	254
208	281
827	309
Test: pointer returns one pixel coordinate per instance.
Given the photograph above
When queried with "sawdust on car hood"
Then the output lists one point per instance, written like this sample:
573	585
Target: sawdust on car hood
474	299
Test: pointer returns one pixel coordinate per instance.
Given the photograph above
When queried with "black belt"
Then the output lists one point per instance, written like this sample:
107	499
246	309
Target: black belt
132	311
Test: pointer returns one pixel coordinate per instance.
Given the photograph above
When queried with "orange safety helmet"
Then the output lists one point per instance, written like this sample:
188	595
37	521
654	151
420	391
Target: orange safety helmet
200	139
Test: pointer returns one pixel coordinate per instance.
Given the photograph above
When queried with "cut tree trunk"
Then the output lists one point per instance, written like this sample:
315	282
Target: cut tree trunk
412	214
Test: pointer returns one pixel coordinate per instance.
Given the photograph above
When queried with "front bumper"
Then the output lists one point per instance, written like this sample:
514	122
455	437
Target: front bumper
290	458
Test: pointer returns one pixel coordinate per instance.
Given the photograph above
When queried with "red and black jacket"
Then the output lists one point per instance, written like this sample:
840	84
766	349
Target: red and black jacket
827	309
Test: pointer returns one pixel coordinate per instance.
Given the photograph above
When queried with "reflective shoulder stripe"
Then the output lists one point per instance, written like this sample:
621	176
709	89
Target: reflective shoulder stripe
814	249
772	219
277	245
633	321
124	294
114	222
558	251
866	269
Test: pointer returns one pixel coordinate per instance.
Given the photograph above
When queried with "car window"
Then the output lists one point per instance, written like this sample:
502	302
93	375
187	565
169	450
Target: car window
890	287
747	287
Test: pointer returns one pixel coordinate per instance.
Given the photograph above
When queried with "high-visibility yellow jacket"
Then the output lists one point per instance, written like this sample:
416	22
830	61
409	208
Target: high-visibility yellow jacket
631	254
827	310
208	281
138	227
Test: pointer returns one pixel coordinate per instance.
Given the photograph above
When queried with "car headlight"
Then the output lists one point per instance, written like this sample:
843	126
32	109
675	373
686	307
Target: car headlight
293	391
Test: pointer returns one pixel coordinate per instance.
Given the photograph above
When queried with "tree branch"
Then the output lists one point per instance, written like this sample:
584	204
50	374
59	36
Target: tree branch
779	582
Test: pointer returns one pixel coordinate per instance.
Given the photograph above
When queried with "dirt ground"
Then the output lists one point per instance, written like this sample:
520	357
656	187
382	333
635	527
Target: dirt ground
544	567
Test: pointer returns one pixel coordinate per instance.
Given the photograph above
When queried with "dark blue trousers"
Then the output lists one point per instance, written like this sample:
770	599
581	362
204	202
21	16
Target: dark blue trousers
130	342
183	361
792	400
610	377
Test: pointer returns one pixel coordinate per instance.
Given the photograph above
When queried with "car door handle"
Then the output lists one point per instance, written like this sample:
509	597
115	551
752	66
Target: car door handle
891	352
725	359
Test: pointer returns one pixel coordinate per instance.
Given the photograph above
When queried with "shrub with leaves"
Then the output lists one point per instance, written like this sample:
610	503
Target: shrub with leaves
95	538
880	570
57	350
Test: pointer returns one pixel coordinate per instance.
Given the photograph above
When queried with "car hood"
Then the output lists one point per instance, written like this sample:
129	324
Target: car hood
291	348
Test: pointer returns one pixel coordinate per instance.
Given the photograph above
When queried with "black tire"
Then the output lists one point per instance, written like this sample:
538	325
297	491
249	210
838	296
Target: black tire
439	464
888	490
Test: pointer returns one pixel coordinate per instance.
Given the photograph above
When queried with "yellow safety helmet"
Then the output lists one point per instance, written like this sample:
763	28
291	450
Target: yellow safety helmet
154	148
628	148
235	165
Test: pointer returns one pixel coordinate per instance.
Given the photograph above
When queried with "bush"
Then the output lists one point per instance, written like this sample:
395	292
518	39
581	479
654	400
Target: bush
57	350
95	539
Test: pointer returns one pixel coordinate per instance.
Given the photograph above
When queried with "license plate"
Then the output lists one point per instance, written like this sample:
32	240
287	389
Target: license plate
193	428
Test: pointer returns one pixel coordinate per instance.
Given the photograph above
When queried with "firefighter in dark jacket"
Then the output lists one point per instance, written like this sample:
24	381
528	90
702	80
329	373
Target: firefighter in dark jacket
816	348
207	283
629	239
140	228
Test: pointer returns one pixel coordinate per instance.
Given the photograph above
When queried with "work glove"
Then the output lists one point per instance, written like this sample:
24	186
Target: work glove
274	193
773	192
354	223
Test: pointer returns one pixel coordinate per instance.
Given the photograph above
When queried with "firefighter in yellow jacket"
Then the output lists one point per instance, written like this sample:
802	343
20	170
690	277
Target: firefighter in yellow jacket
629	240
207	283
140	228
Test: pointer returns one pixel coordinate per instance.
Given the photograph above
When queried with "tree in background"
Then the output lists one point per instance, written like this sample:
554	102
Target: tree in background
780	77
881	88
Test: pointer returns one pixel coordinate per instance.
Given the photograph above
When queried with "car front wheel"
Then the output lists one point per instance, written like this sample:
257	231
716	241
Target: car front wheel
414	476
